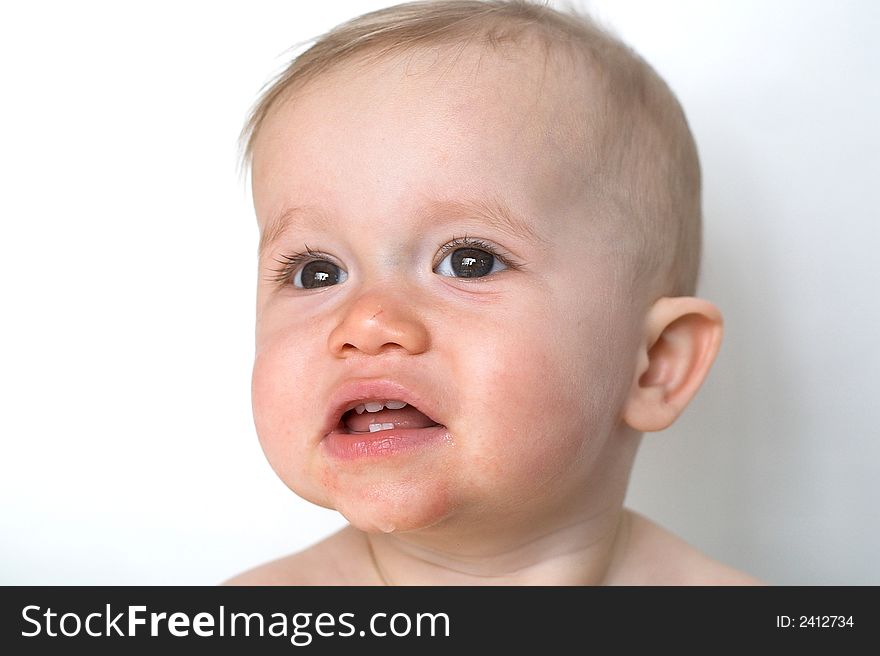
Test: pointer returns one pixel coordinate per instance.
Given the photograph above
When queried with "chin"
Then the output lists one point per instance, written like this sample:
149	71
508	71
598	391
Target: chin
393	506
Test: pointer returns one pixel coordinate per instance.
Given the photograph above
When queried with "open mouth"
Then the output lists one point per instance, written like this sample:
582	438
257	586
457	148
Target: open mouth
383	415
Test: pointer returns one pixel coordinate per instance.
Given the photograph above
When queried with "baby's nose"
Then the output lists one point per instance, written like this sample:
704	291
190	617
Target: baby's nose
376	322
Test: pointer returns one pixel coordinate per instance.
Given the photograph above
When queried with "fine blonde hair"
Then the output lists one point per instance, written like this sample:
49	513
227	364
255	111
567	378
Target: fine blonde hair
644	148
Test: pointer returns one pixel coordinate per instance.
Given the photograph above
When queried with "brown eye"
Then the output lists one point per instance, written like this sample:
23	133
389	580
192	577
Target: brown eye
318	273
469	263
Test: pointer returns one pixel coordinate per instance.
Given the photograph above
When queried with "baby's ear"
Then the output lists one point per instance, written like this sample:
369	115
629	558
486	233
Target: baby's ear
682	338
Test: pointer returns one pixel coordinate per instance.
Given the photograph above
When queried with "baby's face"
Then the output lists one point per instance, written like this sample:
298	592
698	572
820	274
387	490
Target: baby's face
517	340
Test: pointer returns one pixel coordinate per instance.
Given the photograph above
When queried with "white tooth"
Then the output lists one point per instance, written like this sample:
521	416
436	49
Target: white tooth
378	427
374	407
394	405
360	409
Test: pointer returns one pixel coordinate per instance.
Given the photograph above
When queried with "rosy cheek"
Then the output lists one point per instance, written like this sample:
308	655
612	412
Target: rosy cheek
278	377
534	428
266	396
277	415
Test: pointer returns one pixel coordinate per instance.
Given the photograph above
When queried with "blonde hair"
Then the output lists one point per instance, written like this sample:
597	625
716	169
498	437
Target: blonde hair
647	159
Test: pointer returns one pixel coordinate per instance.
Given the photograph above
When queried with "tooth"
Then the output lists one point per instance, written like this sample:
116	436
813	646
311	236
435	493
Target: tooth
374	407
360	409
378	427
394	405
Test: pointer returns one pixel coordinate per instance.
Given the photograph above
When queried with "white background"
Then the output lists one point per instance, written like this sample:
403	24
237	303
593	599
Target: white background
127	272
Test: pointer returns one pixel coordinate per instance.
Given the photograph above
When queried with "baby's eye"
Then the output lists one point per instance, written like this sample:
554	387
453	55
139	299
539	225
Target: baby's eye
308	270
318	273
469	263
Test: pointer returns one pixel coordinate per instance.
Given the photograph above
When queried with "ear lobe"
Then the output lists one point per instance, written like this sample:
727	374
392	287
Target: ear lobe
682	337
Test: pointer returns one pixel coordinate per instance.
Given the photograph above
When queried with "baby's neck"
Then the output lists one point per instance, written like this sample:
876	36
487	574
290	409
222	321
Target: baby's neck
582	552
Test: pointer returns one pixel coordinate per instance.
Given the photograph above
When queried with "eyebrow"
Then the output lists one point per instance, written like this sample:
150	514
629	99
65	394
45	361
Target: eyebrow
492	211
302	215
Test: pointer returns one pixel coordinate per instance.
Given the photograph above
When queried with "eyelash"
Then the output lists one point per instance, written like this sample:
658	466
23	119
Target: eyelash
469	242
290	263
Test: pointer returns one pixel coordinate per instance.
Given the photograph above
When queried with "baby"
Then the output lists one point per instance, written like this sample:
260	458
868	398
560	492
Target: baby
480	239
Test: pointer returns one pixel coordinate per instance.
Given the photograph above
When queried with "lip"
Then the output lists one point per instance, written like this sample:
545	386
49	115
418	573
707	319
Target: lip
355	392
352	446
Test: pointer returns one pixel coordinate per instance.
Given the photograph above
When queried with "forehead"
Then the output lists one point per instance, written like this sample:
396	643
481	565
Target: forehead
439	121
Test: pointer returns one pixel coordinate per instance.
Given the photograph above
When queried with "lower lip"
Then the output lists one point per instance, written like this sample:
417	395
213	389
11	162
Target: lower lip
343	445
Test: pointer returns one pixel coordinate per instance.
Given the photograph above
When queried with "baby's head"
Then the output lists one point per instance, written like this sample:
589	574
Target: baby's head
490	211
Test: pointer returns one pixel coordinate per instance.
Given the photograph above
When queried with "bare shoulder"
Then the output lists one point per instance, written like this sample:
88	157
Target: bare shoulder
655	556
340	559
